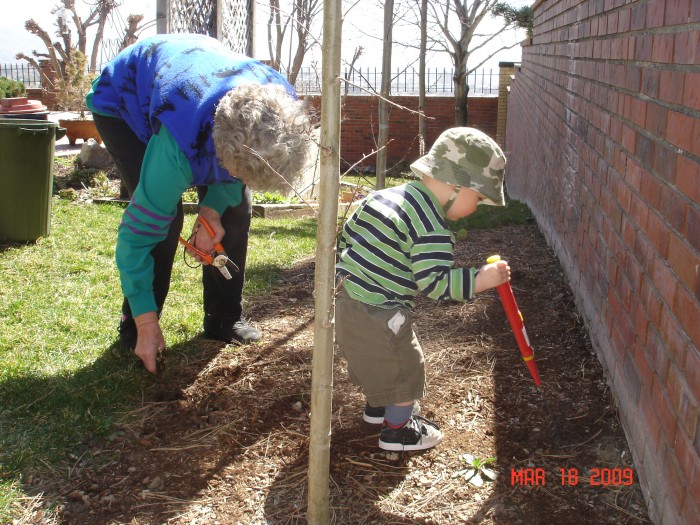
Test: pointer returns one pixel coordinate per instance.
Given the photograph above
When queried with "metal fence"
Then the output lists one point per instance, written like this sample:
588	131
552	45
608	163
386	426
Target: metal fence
109	48
438	82
23	72
362	81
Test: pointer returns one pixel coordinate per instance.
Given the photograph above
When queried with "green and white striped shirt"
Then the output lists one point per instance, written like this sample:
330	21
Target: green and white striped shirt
397	245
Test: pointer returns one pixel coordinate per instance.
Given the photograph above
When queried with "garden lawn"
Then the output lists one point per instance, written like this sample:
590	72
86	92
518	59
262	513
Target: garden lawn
63	381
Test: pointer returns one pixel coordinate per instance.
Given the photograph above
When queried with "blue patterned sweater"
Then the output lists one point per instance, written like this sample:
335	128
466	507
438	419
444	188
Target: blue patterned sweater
177	80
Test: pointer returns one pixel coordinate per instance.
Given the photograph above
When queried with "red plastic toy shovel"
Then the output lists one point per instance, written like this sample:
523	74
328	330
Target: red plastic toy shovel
515	318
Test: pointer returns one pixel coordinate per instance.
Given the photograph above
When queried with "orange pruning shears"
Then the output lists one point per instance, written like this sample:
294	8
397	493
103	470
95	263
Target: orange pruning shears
217	258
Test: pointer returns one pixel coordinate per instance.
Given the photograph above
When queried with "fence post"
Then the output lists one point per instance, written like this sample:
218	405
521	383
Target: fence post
505	78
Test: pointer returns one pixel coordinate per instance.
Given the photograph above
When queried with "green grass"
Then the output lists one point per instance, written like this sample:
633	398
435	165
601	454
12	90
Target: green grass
485	217
9	493
61	381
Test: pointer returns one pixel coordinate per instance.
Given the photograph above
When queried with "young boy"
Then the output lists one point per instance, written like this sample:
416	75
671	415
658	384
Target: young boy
395	246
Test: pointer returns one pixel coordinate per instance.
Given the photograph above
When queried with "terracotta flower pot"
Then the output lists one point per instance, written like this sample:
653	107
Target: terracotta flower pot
80	129
23	108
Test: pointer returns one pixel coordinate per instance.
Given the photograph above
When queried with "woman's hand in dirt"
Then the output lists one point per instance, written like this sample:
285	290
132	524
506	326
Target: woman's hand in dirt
492	275
150	341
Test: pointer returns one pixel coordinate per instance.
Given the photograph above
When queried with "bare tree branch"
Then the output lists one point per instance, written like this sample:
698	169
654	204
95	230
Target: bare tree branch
351	65
131	31
60	53
460	44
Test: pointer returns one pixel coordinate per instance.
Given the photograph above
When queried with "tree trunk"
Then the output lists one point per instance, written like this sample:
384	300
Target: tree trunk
421	76
98	40
130	37
351	67
318	512
383	138
56	64
461	93
299	54
275	22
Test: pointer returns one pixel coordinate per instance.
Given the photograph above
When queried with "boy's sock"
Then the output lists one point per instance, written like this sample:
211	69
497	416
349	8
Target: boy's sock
396	416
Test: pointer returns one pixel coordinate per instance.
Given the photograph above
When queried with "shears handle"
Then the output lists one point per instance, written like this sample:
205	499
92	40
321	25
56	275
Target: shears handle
210	231
217	258
207	258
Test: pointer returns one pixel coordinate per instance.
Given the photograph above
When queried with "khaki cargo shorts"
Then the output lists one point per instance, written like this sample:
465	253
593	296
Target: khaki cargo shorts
383	353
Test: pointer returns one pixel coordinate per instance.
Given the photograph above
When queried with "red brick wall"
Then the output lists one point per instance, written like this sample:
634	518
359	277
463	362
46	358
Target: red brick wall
603	143
359	127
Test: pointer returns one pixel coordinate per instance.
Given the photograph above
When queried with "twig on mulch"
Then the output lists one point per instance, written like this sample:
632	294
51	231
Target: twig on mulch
176	449
584	442
620	509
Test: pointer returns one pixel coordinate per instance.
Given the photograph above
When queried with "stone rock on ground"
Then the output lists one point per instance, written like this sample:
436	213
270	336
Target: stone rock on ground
95	155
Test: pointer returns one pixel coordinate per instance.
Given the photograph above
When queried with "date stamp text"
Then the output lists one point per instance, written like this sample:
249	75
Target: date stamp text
595	477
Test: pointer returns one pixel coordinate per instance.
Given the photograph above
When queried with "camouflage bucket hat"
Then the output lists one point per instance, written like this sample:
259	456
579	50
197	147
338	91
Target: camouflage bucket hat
469	158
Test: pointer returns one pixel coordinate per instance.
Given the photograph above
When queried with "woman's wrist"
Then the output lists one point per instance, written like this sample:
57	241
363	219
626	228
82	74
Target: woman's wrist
146	319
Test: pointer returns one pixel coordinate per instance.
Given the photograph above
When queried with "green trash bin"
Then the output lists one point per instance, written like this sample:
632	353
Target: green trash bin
26	177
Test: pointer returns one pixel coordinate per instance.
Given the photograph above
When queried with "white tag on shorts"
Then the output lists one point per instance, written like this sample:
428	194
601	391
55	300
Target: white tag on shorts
396	322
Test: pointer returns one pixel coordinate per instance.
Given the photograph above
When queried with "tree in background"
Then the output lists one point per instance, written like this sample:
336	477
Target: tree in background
294	23
72	87
297	19
59	52
68	22
522	17
351	67
457	21
131	33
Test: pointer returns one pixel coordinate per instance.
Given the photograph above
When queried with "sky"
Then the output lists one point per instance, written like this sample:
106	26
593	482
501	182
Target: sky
14	38
363	26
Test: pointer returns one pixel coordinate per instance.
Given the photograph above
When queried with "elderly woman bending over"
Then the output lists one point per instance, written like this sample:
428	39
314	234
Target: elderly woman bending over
179	111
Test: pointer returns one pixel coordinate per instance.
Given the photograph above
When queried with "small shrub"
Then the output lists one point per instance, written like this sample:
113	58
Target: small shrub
272	198
69	194
71	90
401	170
81	178
11	88
485	217
85	177
190	196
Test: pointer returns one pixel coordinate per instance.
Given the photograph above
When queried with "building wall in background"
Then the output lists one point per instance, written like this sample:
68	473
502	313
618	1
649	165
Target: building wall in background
603	143
359	128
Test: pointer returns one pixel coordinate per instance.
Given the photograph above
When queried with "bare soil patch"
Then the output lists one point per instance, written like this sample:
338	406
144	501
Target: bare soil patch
222	436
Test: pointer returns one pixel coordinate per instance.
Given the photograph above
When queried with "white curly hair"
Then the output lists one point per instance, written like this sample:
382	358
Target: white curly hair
260	130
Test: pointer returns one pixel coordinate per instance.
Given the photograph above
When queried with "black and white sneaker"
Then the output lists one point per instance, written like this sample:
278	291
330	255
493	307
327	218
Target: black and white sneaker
375	415
416	434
